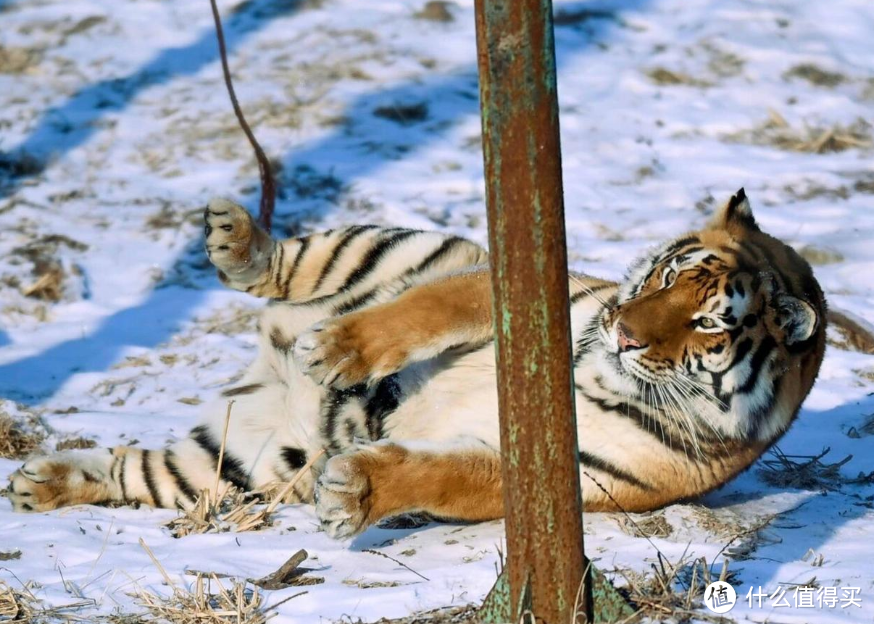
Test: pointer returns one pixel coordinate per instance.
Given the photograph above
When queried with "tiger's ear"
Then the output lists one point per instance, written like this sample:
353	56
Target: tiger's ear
736	213
797	318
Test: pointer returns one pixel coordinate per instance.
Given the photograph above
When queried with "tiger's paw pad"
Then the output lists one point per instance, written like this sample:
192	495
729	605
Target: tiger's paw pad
52	481
341	497
339	354
230	232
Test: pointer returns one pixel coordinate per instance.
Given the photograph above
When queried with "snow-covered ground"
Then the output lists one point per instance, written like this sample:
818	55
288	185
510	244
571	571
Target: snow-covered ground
114	120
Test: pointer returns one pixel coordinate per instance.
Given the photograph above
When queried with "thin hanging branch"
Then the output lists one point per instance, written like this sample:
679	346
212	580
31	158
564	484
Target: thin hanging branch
268	182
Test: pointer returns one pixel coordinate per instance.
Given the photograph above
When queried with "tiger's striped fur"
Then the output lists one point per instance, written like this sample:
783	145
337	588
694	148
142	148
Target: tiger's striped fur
376	345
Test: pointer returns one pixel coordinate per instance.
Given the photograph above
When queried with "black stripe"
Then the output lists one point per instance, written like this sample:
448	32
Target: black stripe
149	478
232	468
357	302
716	380
601	464
646	423
304	245
761	413
332	404
588	290
295	458
121	478
588	340
182	483
677	245
756	363
445	248
247	389
384	400
740	352
276	273
373	258
353	233
279	342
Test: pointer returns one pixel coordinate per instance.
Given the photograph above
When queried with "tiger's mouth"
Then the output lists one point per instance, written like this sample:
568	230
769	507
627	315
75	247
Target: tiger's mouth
631	366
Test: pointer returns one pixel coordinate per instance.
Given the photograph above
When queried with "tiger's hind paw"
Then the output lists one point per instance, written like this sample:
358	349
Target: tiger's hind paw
67	478
341	496
235	244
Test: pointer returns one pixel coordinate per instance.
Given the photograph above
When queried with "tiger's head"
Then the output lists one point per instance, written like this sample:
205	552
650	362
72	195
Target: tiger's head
724	327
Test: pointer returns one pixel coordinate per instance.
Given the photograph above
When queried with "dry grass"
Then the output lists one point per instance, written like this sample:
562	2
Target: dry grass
49	282
209	602
453	615
849	333
48	276
436	11
673	590
820	256
647	525
722	523
14	605
865	429
815	75
19	163
16	60
23	606
15	442
77	443
233	509
571	17
667	77
777	132
403	114
806	472
232	320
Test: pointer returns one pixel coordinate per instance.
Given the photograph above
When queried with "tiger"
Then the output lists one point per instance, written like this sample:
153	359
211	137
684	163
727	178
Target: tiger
377	361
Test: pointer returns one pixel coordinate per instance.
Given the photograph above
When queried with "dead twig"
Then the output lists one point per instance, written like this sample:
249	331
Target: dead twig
289	574
221	457
400	563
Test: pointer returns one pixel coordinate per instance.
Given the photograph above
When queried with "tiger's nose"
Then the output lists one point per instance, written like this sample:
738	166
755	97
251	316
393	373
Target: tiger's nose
627	341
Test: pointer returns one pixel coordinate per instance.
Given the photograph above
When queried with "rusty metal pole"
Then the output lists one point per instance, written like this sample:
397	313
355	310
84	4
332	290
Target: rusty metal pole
545	559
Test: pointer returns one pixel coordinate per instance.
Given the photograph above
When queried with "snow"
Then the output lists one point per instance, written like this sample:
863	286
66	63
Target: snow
123	104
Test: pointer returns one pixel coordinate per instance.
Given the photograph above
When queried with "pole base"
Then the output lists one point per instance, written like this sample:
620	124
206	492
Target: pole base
610	606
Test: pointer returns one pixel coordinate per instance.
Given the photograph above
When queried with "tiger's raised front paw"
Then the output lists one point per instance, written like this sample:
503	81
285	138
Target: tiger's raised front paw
235	244
342	496
348	350
67	478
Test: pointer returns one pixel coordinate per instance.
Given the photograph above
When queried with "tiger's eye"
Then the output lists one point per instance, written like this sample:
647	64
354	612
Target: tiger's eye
669	277
707	323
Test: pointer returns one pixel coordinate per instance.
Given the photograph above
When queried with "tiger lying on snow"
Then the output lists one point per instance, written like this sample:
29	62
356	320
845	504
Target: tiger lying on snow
377	345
